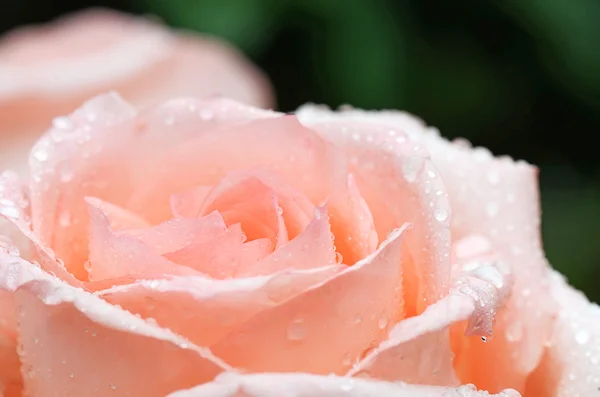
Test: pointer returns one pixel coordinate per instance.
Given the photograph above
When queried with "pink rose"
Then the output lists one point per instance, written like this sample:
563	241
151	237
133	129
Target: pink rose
49	70
206	248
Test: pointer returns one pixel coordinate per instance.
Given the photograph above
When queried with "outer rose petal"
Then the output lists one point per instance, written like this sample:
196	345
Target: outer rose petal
571	363
496	198
305	385
329	326
203	310
418	349
103	151
400	185
15	223
73	341
49	70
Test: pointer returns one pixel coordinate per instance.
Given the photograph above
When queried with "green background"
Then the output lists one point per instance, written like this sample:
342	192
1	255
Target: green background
521	77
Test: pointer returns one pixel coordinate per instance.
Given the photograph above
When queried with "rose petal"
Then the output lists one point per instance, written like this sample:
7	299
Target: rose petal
571	363
280	144
73	341
307	385
10	375
101	151
297	209
352	224
496	198
178	233
418	349
119	218
206	310
221	256
254	206
400	185
13	202
350	311
311	249
189	204
113	256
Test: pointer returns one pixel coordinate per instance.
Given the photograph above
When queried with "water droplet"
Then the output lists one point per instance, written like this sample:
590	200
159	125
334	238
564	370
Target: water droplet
484	339
339	258
441	214
71	375
382	322
514	332
10	212
346	385
64	219
66	175
40	154
582	336
63	123
113	387
411	167
493	177
492	209
356	136
297	329
431	174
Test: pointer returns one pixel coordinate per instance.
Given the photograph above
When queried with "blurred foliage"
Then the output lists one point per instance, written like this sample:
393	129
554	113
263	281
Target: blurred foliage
520	77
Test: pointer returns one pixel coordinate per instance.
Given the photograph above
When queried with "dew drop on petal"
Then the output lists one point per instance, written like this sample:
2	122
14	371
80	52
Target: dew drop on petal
296	330
382	322
40	154
492	209
582	336
63	123
440	214
514	332
10	212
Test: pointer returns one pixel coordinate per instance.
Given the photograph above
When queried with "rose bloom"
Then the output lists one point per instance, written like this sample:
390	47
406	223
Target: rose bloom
50	70
204	248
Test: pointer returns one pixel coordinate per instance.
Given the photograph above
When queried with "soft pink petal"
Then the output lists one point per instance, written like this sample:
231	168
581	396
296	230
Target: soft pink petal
102	150
178	233
205	310
15	225
221	256
254	206
496	198
399	184
73	341
312	248
329	326
113	256
352	224
419	349
188	204
307	385
10	374
280	144
119	218
296	208
571	362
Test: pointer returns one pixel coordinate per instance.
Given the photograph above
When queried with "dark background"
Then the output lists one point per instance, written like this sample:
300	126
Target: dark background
521	77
